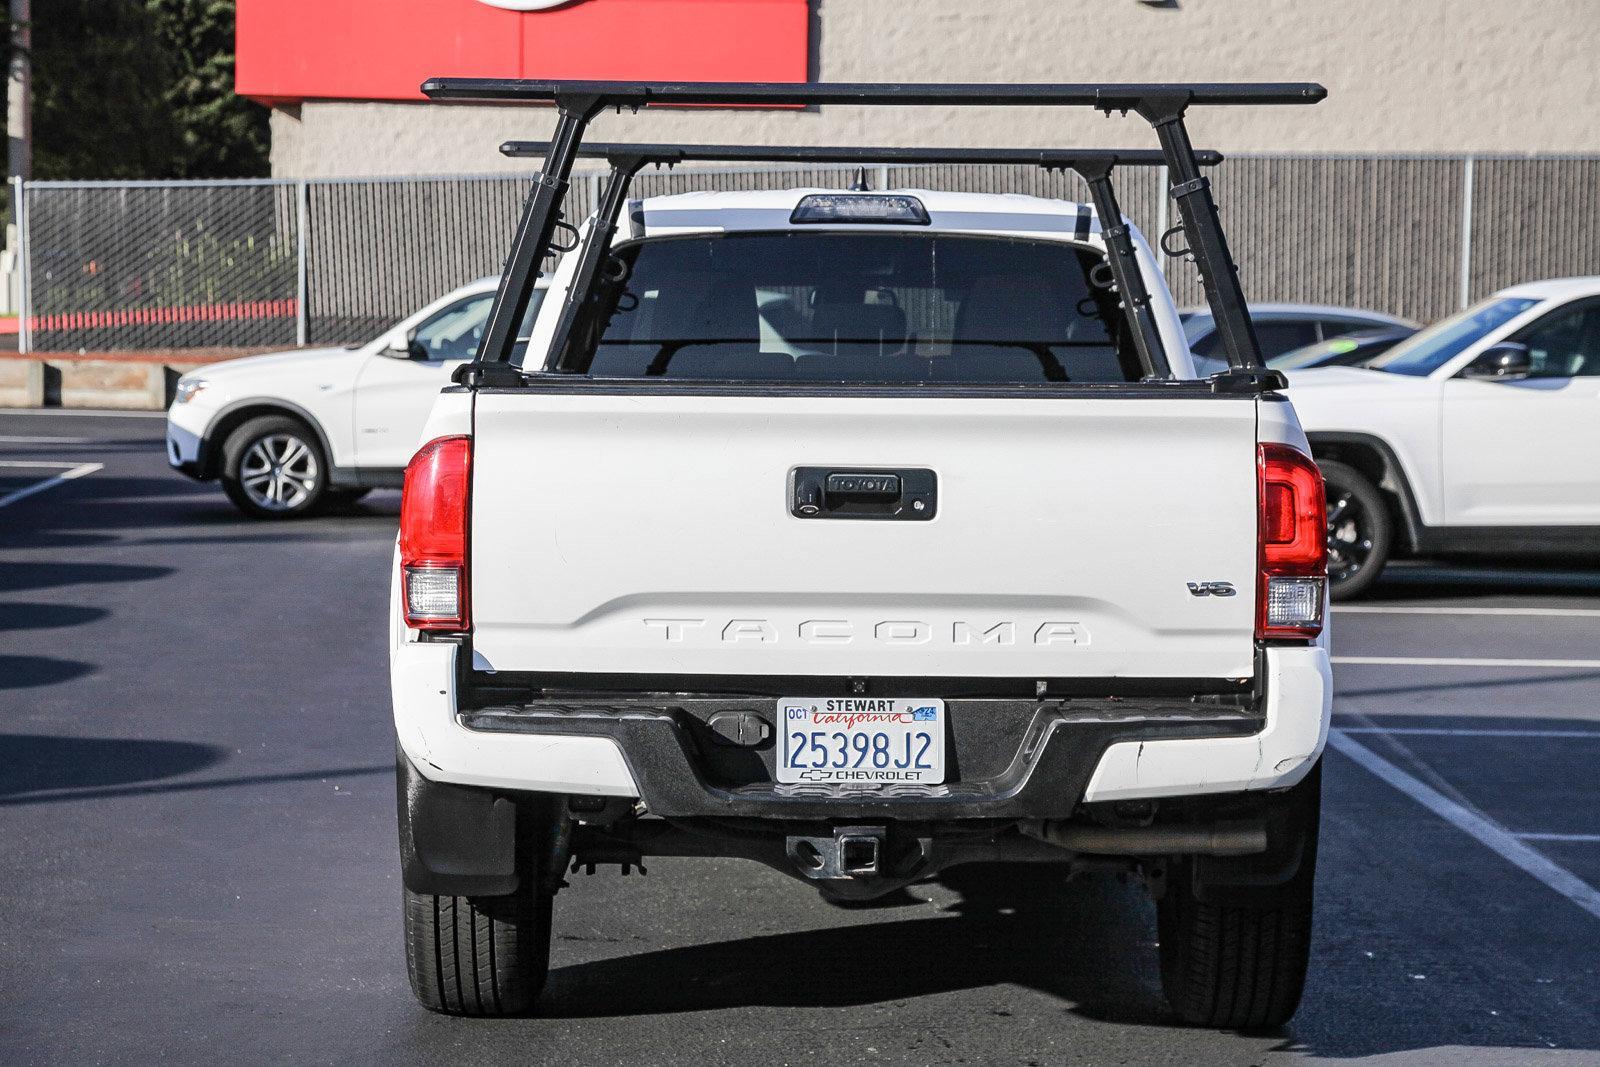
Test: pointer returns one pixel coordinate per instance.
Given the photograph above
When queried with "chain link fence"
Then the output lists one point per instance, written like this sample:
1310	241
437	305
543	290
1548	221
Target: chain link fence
255	264
158	265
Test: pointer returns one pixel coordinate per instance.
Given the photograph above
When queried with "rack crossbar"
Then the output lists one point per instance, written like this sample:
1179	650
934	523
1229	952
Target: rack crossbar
1123	96
1048	158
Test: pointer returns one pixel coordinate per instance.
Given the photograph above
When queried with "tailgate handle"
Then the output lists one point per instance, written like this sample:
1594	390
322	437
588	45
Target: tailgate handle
905	493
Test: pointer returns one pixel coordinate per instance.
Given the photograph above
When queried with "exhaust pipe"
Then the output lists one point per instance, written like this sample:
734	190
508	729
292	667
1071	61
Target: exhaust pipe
1216	839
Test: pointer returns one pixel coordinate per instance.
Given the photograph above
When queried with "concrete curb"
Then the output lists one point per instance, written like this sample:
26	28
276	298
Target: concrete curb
21	384
120	381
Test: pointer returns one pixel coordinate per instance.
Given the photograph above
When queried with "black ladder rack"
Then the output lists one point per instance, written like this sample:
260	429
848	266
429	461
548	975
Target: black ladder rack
1162	105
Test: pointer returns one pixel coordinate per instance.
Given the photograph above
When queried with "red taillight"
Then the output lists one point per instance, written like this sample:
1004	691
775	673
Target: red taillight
1293	543
433	535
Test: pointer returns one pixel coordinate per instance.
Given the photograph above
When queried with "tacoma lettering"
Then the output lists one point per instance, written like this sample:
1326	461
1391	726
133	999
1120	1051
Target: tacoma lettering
888	632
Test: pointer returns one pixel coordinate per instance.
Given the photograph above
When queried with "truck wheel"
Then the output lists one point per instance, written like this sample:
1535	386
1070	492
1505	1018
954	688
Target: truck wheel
1236	959
1360	532
273	468
478	955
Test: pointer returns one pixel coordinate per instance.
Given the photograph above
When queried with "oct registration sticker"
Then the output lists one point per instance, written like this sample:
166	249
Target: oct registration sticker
861	740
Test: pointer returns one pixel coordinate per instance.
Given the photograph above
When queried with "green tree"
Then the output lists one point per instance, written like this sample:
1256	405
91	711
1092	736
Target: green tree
222	135
141	89
99	89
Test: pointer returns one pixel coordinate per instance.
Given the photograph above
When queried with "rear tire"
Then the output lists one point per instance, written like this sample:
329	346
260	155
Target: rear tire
1236	958
485	956
1360	531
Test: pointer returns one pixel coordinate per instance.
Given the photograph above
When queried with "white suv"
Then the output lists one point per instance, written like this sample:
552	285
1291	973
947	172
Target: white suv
290	432
1476	436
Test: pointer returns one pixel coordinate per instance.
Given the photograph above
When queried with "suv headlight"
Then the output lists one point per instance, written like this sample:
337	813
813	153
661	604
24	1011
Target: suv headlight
188	389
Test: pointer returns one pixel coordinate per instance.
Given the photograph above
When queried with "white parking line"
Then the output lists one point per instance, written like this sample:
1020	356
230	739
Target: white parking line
6	440
1398	609
1457	661
1446	731
1488	832
1582	838
77	471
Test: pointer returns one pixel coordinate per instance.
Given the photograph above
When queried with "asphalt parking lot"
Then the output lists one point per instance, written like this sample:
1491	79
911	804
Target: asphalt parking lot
196	815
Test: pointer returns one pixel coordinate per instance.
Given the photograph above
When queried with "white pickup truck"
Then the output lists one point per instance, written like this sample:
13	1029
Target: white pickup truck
861	534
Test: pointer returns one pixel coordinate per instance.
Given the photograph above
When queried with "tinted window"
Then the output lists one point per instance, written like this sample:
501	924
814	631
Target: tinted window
454	332
1339	327
1318	355
1209	345
1565	343
1425	352
862	308
1353	350
1195	323
1277	336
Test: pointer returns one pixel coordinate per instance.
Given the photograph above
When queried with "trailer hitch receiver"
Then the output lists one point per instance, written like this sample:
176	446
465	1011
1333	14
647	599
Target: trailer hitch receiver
853	852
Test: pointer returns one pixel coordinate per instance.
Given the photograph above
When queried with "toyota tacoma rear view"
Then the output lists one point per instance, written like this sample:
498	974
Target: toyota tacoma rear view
862	533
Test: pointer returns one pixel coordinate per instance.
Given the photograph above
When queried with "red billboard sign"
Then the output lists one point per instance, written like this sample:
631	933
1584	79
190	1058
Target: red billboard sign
292	50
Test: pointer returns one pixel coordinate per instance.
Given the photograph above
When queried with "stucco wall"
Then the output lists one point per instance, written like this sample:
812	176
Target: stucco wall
1403	76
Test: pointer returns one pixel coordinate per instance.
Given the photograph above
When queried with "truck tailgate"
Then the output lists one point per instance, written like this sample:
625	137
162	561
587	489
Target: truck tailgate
652	532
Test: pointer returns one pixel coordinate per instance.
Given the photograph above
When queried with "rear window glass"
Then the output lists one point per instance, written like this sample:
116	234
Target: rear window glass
1277	336
861	308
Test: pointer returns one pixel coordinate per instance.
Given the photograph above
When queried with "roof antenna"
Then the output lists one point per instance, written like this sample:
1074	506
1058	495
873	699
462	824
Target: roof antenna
861	184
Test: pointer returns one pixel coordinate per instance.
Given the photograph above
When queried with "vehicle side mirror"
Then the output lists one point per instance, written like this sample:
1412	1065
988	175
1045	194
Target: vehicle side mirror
402	345
1507	361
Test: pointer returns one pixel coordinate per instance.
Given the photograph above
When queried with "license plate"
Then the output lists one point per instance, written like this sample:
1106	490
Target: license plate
860	740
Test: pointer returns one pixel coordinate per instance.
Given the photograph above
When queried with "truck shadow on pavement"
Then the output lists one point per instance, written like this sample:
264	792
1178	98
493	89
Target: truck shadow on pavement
1395	970
1015	924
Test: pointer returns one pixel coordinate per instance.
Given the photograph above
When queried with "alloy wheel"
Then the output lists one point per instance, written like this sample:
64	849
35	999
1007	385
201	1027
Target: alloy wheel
279	472
1349	537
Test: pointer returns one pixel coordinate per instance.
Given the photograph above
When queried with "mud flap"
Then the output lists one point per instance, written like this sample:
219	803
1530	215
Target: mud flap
1292	819
454	840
